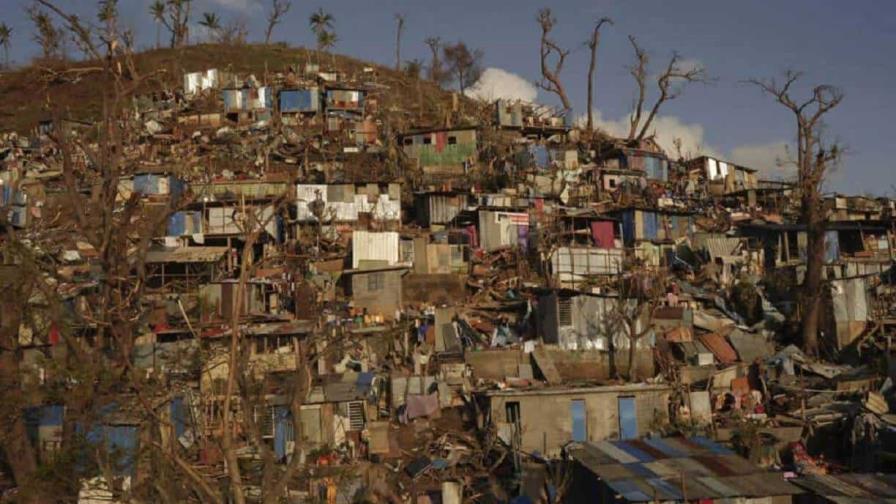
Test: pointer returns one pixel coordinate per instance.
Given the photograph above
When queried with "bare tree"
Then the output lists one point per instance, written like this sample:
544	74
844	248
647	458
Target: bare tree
465	64
550	73
174	15
436	72
399	22
815	157
234	32
116	46
279	9
593	44
47	35
670	83
638	296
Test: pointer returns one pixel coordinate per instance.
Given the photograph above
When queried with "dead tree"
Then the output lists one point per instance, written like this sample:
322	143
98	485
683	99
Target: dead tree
174	15
399	27
119	232
670	84
550	71
815	157
279	8
464	63
593	44
18	284
638	296
437	73
48	36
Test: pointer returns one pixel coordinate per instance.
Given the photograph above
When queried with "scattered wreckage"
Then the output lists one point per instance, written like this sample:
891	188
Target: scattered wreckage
503	310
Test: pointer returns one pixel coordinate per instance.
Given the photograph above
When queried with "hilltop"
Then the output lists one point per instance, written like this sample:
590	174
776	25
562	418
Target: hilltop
29	91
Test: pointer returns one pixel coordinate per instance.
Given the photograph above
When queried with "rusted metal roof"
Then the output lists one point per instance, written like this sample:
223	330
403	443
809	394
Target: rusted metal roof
719	346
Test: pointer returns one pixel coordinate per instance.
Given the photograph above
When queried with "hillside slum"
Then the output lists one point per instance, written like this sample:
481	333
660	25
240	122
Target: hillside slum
495	306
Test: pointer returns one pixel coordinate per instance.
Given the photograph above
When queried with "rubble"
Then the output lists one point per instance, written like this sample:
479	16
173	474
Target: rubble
443	313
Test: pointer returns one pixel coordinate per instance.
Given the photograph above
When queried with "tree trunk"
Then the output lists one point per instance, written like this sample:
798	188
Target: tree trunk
812	283
398	49
632	375
593	46
18	450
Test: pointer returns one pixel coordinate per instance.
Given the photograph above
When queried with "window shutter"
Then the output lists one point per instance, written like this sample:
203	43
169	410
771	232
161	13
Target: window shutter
356	415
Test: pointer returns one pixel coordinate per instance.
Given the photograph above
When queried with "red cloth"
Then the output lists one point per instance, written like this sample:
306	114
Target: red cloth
602	233
474	237
54	334
441	141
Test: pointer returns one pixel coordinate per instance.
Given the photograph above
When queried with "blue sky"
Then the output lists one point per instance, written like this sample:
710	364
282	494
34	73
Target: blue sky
846	44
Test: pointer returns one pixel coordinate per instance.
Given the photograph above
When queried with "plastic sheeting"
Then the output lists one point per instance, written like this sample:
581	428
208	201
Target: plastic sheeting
831	246
651	225
850	308
420	406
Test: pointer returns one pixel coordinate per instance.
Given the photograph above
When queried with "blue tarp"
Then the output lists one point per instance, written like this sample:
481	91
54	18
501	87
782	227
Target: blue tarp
540	155
282	430
7	195
232	99
120	442
651	225
50	415
655	168
184	223
179	416
177	186
146	184
831	246
176	224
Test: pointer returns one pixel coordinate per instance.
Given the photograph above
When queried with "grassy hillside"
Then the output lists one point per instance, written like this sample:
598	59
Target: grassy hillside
29	94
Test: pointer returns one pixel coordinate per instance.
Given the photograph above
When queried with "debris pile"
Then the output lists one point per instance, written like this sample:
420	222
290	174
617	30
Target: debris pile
300	288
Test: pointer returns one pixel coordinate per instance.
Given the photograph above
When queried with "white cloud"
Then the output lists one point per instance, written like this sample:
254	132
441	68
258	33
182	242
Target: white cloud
495	83
666	130
240	5
771	159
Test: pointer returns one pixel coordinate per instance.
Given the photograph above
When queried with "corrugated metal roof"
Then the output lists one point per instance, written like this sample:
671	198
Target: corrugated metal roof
374	248
677	469
719	347
850	486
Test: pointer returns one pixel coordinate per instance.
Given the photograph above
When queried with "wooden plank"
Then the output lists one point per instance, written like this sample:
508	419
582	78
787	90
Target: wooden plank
547	367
